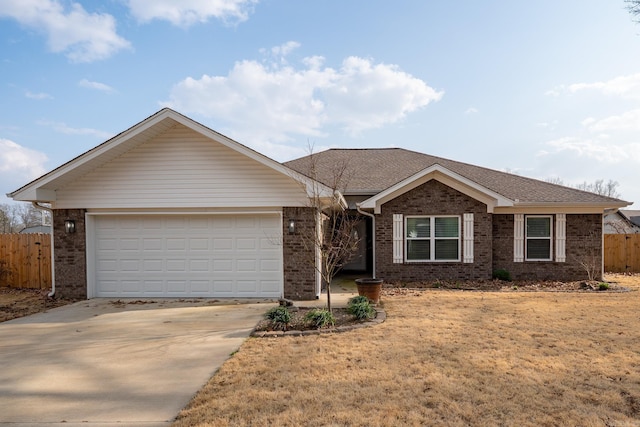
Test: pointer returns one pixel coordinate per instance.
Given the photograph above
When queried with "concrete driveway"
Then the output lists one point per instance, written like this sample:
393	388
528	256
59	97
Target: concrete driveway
101	362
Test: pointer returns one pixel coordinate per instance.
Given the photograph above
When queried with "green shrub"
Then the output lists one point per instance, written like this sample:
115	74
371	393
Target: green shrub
502	274
603	286
357	300
320	318
361	310
280	317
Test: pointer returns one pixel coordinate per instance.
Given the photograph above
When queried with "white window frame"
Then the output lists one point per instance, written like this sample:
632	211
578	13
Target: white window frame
527	238
431	238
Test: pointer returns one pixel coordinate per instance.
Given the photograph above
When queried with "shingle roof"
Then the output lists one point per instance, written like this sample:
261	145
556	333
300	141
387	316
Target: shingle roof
374	170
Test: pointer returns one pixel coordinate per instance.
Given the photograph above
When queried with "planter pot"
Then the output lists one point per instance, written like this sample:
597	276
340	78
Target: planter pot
370	288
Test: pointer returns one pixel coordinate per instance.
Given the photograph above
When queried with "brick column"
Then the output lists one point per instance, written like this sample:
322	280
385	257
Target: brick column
70	254
299	271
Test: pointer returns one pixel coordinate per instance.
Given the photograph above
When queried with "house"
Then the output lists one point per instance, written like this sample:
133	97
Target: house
171	208
432	218
623	221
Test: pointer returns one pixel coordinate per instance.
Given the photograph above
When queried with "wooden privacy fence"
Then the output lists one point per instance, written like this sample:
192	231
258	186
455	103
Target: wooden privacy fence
25	260
622	253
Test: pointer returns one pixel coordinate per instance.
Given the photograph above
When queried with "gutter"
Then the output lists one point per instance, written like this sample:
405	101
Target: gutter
373	238
53	270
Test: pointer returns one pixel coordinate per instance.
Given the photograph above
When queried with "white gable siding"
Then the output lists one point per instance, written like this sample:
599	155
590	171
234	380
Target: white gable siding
181	169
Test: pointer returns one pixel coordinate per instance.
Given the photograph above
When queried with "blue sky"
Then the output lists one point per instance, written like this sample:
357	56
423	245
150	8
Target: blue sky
545	89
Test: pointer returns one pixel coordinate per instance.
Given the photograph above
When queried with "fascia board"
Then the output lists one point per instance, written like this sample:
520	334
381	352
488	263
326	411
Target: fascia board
559	207
444	175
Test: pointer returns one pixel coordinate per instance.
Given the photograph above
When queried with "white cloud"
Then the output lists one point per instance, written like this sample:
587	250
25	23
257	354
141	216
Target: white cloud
37	95
599	149
68	130
285	49
81	36
623	86
184	13
471	110
95	85
629	121
273	102
16	159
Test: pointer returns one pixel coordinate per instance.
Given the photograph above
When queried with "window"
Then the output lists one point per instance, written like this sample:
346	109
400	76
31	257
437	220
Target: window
432	238
538	238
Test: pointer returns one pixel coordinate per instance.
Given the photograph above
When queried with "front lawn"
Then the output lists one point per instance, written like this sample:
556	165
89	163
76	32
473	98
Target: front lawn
444	357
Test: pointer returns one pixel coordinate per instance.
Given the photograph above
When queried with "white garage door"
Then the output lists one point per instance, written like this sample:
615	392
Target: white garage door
196	255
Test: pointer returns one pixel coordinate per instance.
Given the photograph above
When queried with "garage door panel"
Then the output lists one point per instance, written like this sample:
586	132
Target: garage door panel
152	244
171	255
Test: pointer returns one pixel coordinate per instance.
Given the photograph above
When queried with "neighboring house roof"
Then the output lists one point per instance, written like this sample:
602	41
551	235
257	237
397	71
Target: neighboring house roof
46	229
632	215
44	188
371	171
622	222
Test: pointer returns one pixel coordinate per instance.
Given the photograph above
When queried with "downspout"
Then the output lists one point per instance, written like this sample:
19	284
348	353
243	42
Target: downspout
53	269
373	238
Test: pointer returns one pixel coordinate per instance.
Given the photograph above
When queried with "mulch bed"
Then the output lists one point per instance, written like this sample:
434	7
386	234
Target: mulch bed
298	322
397	288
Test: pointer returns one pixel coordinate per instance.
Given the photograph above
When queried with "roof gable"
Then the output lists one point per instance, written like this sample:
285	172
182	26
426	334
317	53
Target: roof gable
45	188
447	177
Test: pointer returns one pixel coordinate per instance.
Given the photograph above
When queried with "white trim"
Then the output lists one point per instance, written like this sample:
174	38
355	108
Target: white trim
432	239
398	239
318	254
554	208
90	253
186	212
468	238
527	238
518	238
447	177
561	237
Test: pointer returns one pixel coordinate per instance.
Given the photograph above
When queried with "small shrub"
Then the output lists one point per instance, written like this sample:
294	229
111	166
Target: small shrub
603	286
362	310
357	300
5	272
280	317
502	274
320	318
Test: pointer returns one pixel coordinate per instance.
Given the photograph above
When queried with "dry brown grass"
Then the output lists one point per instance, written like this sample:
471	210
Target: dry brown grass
445	357
17	302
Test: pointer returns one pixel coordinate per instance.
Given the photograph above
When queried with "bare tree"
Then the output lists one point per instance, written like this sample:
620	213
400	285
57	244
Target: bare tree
335	242
17	216
633	6
590	256
28	215
609	188
8	222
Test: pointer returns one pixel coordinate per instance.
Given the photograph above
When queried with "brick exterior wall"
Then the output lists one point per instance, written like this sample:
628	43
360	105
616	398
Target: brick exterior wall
434	198
70	254
298	258
584	239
